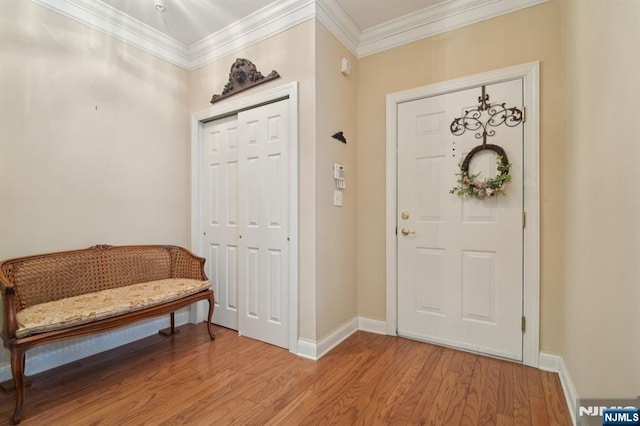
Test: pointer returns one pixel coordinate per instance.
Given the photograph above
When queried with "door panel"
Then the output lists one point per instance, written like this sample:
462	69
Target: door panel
460	270
263	231
220	216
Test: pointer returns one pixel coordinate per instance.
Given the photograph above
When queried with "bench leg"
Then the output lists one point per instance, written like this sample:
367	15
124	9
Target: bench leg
17	369
210	318
171	330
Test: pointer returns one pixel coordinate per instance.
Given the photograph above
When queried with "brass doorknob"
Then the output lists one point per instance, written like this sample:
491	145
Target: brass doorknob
406	232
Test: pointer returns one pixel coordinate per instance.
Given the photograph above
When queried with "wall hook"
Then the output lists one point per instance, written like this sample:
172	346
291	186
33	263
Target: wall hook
340	137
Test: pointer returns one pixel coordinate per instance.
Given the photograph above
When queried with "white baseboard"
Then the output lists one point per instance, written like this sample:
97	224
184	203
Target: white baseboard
334	339
555	364
372	326
316	350
307	349
549	362
56	354
569	389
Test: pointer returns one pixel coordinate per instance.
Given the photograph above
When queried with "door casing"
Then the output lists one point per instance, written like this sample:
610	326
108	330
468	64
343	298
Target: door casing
226	108
530	73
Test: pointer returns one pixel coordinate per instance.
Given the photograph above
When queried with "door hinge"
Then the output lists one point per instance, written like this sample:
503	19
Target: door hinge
524	324
524	220
524	114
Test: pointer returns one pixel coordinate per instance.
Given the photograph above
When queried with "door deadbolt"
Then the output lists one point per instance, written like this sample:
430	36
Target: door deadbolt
405	215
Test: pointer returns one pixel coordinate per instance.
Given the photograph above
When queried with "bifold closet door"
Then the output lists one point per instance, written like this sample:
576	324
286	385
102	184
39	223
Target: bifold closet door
244	211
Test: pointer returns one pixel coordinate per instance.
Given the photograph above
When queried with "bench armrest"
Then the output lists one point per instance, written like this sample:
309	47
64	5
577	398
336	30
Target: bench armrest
9	308
185	264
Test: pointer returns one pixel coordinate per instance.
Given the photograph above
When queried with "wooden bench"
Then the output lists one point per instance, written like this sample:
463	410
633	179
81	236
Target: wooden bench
57	296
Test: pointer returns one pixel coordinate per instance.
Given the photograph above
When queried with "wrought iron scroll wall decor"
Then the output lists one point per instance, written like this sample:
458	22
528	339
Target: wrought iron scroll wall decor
497	114
242	76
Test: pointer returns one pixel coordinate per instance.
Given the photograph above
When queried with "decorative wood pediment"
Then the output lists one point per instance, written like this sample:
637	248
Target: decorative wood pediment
242	76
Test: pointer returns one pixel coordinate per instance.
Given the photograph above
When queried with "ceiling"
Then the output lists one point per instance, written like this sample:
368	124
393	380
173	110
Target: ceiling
188	21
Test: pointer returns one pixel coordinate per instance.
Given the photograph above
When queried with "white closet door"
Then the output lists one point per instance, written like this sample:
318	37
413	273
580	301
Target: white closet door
219	209
263	197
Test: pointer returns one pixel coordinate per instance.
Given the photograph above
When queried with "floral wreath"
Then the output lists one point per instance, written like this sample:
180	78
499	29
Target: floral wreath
467	183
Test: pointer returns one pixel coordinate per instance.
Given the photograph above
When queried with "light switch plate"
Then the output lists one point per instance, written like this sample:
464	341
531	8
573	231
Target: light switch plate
337	198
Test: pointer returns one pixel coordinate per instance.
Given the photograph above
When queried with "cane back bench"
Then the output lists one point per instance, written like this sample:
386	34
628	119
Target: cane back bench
56	296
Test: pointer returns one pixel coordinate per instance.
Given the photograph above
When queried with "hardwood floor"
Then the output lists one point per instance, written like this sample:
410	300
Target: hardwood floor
369	379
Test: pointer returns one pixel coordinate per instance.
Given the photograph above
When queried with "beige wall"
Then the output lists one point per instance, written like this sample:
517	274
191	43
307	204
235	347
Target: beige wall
292	54
93	138
532	34
336	297
601	315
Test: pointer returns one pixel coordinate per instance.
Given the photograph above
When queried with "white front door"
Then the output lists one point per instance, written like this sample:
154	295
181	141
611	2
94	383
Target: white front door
460	267
244	184
219	213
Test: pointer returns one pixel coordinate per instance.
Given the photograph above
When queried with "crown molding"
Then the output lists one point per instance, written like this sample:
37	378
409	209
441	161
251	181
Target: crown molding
111	21
434	20
260	25
336	20
280	16
264	23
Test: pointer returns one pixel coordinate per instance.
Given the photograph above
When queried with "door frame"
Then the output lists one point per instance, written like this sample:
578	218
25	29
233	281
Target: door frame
224	109
530	73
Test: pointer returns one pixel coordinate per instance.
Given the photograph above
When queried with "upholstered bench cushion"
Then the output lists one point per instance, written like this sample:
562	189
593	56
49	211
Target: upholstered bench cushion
89	307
